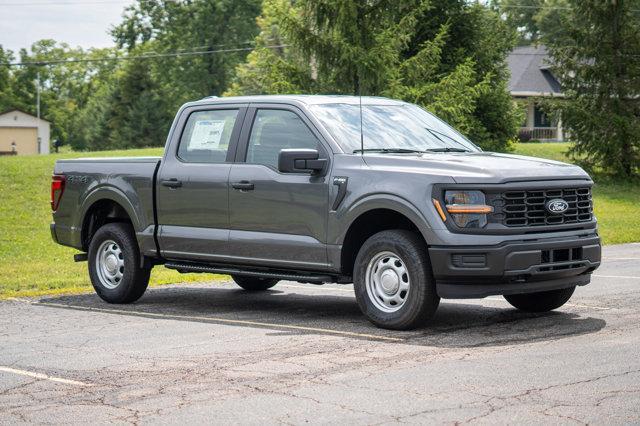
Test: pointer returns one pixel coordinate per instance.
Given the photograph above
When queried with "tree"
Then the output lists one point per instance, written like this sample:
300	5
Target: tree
127	111
7	99
269	69
65	85
167	26
479	40
598	63
354	45
137	117
533	19
521	15
397	49
550	20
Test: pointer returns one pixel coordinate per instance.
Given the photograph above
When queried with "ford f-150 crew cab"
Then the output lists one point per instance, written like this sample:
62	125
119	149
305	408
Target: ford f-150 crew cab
332	189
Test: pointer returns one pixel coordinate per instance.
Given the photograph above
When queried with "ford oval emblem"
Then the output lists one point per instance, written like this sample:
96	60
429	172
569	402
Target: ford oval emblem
557	206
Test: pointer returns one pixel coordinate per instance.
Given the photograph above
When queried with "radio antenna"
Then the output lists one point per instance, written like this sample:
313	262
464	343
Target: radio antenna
361	132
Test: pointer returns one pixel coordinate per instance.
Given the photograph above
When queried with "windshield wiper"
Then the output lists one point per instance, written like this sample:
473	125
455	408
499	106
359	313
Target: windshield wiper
447	149
436	133
390	150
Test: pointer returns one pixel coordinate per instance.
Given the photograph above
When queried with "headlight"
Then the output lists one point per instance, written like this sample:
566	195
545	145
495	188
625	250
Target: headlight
468	209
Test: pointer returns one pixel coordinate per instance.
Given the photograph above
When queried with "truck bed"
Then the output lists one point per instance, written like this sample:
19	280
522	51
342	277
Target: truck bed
127	181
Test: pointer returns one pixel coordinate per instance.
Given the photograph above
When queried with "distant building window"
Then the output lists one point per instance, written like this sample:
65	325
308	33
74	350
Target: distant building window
540	119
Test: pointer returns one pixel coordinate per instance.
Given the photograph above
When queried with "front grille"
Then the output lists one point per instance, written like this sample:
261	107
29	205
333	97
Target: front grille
528	207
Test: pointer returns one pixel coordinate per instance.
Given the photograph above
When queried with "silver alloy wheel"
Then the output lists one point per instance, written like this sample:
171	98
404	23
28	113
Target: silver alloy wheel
387	281
110	264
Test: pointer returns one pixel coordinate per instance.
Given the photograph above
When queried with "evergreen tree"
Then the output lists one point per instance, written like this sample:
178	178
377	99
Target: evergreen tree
550	21
385	48
354	45
273	70
139	118
477	43
129	114
598	63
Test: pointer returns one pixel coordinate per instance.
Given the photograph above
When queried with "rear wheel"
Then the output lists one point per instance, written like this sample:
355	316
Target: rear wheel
114	264
540	302
254	283
393	281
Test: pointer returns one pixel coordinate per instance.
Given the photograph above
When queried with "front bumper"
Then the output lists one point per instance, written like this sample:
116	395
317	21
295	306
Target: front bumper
514	267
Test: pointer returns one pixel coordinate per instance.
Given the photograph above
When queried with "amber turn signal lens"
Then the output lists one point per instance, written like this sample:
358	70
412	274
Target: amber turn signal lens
438	207
469	208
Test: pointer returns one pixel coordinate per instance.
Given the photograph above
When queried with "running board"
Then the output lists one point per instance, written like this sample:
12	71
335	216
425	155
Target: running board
290	276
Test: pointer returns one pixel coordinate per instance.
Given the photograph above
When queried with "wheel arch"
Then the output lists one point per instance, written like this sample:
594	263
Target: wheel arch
102	206
371	216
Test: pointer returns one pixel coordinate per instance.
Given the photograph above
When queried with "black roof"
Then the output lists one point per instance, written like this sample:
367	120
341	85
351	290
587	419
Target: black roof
531	72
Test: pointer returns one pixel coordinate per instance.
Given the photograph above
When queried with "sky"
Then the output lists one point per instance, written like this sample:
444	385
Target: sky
83	23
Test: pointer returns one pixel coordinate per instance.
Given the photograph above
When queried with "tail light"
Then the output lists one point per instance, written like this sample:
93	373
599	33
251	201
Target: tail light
57	188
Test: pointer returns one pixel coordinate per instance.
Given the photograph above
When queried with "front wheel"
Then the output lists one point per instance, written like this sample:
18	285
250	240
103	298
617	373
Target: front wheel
393	281
540	302
114	264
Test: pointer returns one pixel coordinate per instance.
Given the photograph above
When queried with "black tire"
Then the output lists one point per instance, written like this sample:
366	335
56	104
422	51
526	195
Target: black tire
254	283
420	302
540	302
134	279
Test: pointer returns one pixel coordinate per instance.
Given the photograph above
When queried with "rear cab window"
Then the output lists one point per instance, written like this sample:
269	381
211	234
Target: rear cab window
206	136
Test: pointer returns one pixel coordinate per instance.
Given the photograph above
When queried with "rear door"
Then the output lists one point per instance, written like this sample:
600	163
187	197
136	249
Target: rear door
192	183
277	219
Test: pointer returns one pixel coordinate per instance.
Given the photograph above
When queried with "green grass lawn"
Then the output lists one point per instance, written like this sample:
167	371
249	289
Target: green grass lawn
31	263
552	151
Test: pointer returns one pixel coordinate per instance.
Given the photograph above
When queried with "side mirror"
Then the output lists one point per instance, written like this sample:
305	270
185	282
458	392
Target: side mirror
300	161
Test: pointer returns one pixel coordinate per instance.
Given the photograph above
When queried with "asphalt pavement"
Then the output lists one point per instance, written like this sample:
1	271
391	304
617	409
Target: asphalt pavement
299	353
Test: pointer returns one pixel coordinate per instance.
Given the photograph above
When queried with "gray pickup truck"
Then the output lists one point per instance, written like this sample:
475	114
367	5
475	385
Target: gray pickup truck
332	189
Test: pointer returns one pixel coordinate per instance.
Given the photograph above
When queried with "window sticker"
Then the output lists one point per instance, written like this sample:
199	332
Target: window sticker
206	134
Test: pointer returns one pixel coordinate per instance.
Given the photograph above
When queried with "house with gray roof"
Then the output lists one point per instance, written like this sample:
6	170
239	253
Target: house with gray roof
532	78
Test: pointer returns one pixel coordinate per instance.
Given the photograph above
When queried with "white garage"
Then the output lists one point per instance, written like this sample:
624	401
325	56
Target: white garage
23	134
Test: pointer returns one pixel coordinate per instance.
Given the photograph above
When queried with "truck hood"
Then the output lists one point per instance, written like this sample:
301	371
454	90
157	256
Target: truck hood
477	167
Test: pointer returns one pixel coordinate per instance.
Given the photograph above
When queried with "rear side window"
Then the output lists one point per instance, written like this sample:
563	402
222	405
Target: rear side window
274	130
206	136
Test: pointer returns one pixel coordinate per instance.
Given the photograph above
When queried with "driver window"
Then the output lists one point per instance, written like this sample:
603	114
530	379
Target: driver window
274	130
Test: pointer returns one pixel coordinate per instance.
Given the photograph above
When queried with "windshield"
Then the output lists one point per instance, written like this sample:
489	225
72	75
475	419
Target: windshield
390	128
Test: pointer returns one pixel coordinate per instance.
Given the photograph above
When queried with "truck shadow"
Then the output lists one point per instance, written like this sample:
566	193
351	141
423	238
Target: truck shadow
288	312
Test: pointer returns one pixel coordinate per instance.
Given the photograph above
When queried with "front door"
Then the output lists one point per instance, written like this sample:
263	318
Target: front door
277	219
192	184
